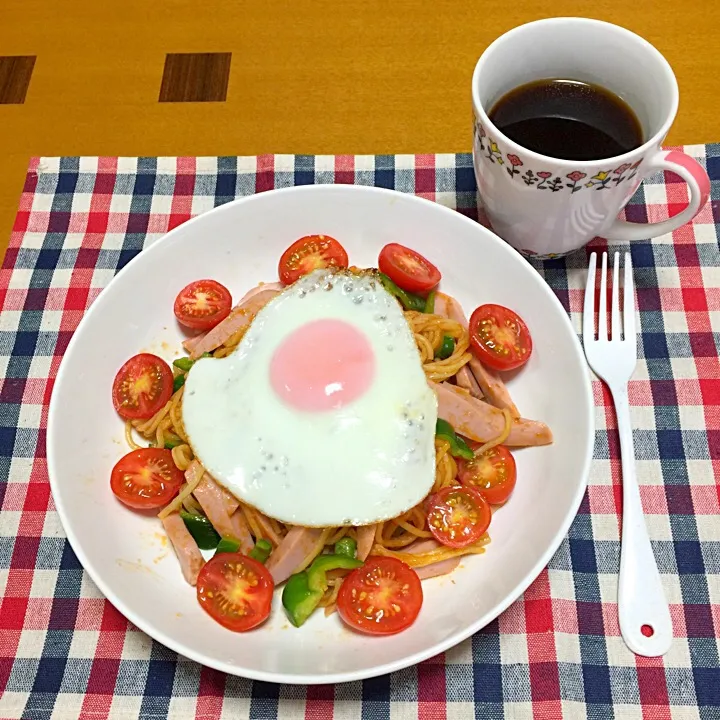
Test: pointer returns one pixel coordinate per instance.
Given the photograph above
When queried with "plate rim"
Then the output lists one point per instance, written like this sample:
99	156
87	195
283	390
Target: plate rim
377	670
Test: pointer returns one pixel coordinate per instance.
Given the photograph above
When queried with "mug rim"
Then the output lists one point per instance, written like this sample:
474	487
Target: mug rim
649	144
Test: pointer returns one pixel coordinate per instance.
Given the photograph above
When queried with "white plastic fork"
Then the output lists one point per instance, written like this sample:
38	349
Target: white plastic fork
644	616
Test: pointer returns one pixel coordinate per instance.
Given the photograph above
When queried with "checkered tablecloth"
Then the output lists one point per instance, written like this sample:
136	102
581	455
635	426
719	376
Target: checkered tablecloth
65	652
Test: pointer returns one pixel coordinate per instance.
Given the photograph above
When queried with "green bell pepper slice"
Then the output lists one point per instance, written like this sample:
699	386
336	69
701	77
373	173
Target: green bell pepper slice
227	544
183	363
304	590
430	303
172	441
317	572
298	599
446	349
458	447
261	551
346	546
178	382
201	529
407	300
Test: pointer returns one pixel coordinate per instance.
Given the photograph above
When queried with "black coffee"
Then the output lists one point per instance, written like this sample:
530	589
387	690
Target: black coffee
568	119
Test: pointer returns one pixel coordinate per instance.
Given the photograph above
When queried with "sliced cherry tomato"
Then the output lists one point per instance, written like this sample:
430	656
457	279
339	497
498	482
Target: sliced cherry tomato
142	386
235	591
311	253
382	597
492	474
146	479
458	516
202	304
499	337
407	269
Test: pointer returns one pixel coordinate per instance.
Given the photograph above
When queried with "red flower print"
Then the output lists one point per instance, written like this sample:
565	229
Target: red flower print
481	130
636	164
575	176
544	174
620	170
514	160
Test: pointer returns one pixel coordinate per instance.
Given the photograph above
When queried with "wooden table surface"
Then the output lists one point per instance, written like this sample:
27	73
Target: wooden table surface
312	76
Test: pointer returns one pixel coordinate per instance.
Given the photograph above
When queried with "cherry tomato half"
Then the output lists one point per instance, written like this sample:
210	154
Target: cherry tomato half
235	591
499	337
202	304
382	597
458	516
407	269
142	386
146	479
492	474
311	253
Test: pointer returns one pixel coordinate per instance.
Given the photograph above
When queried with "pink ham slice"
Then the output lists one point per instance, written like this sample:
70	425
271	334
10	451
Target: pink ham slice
186	549
267	529
492	386
240	317
211	498
365	540
481	422
293	549
230	502
241	531
443	567
195	470
466	380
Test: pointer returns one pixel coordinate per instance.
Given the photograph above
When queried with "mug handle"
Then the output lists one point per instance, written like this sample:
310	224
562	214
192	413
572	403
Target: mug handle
692	172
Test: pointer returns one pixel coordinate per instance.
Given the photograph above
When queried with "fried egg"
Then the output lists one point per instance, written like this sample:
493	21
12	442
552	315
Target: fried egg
322	415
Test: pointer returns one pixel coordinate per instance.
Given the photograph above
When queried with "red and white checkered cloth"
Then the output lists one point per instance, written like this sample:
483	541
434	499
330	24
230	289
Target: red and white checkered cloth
65	652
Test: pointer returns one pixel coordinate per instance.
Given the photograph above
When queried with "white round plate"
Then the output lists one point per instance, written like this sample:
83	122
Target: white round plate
239	244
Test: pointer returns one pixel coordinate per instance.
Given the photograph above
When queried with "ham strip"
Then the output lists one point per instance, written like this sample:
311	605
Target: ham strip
422	546
492	386
240	317
267	528
466	380
277	286
365	540
186	549
195	470
443	567
210	496
230	502
477	420
241	531
293	549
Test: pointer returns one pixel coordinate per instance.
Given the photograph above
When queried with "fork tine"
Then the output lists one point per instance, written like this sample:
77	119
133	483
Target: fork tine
629	300
589	304
615	327
602	309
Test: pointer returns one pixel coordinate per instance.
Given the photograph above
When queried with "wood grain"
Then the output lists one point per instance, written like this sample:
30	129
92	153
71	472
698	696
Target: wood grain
312	76
195	77
15	74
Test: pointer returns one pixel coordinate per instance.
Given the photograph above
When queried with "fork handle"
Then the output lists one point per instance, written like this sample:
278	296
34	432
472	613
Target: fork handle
641	600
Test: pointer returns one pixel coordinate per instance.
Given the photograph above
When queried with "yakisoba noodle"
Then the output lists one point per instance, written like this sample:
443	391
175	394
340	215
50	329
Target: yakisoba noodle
390	536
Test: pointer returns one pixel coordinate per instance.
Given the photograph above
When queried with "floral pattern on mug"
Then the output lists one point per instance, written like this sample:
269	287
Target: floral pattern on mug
480	133
544	176
600	180
575	177
515	162
493	152
543	179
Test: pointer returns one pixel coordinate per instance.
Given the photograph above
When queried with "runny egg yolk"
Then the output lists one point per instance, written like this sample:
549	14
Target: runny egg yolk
323	365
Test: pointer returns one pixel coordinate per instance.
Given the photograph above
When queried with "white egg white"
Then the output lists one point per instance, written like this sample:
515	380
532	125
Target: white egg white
368	461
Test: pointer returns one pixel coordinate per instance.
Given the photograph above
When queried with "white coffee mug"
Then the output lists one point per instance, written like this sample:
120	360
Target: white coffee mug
548	207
